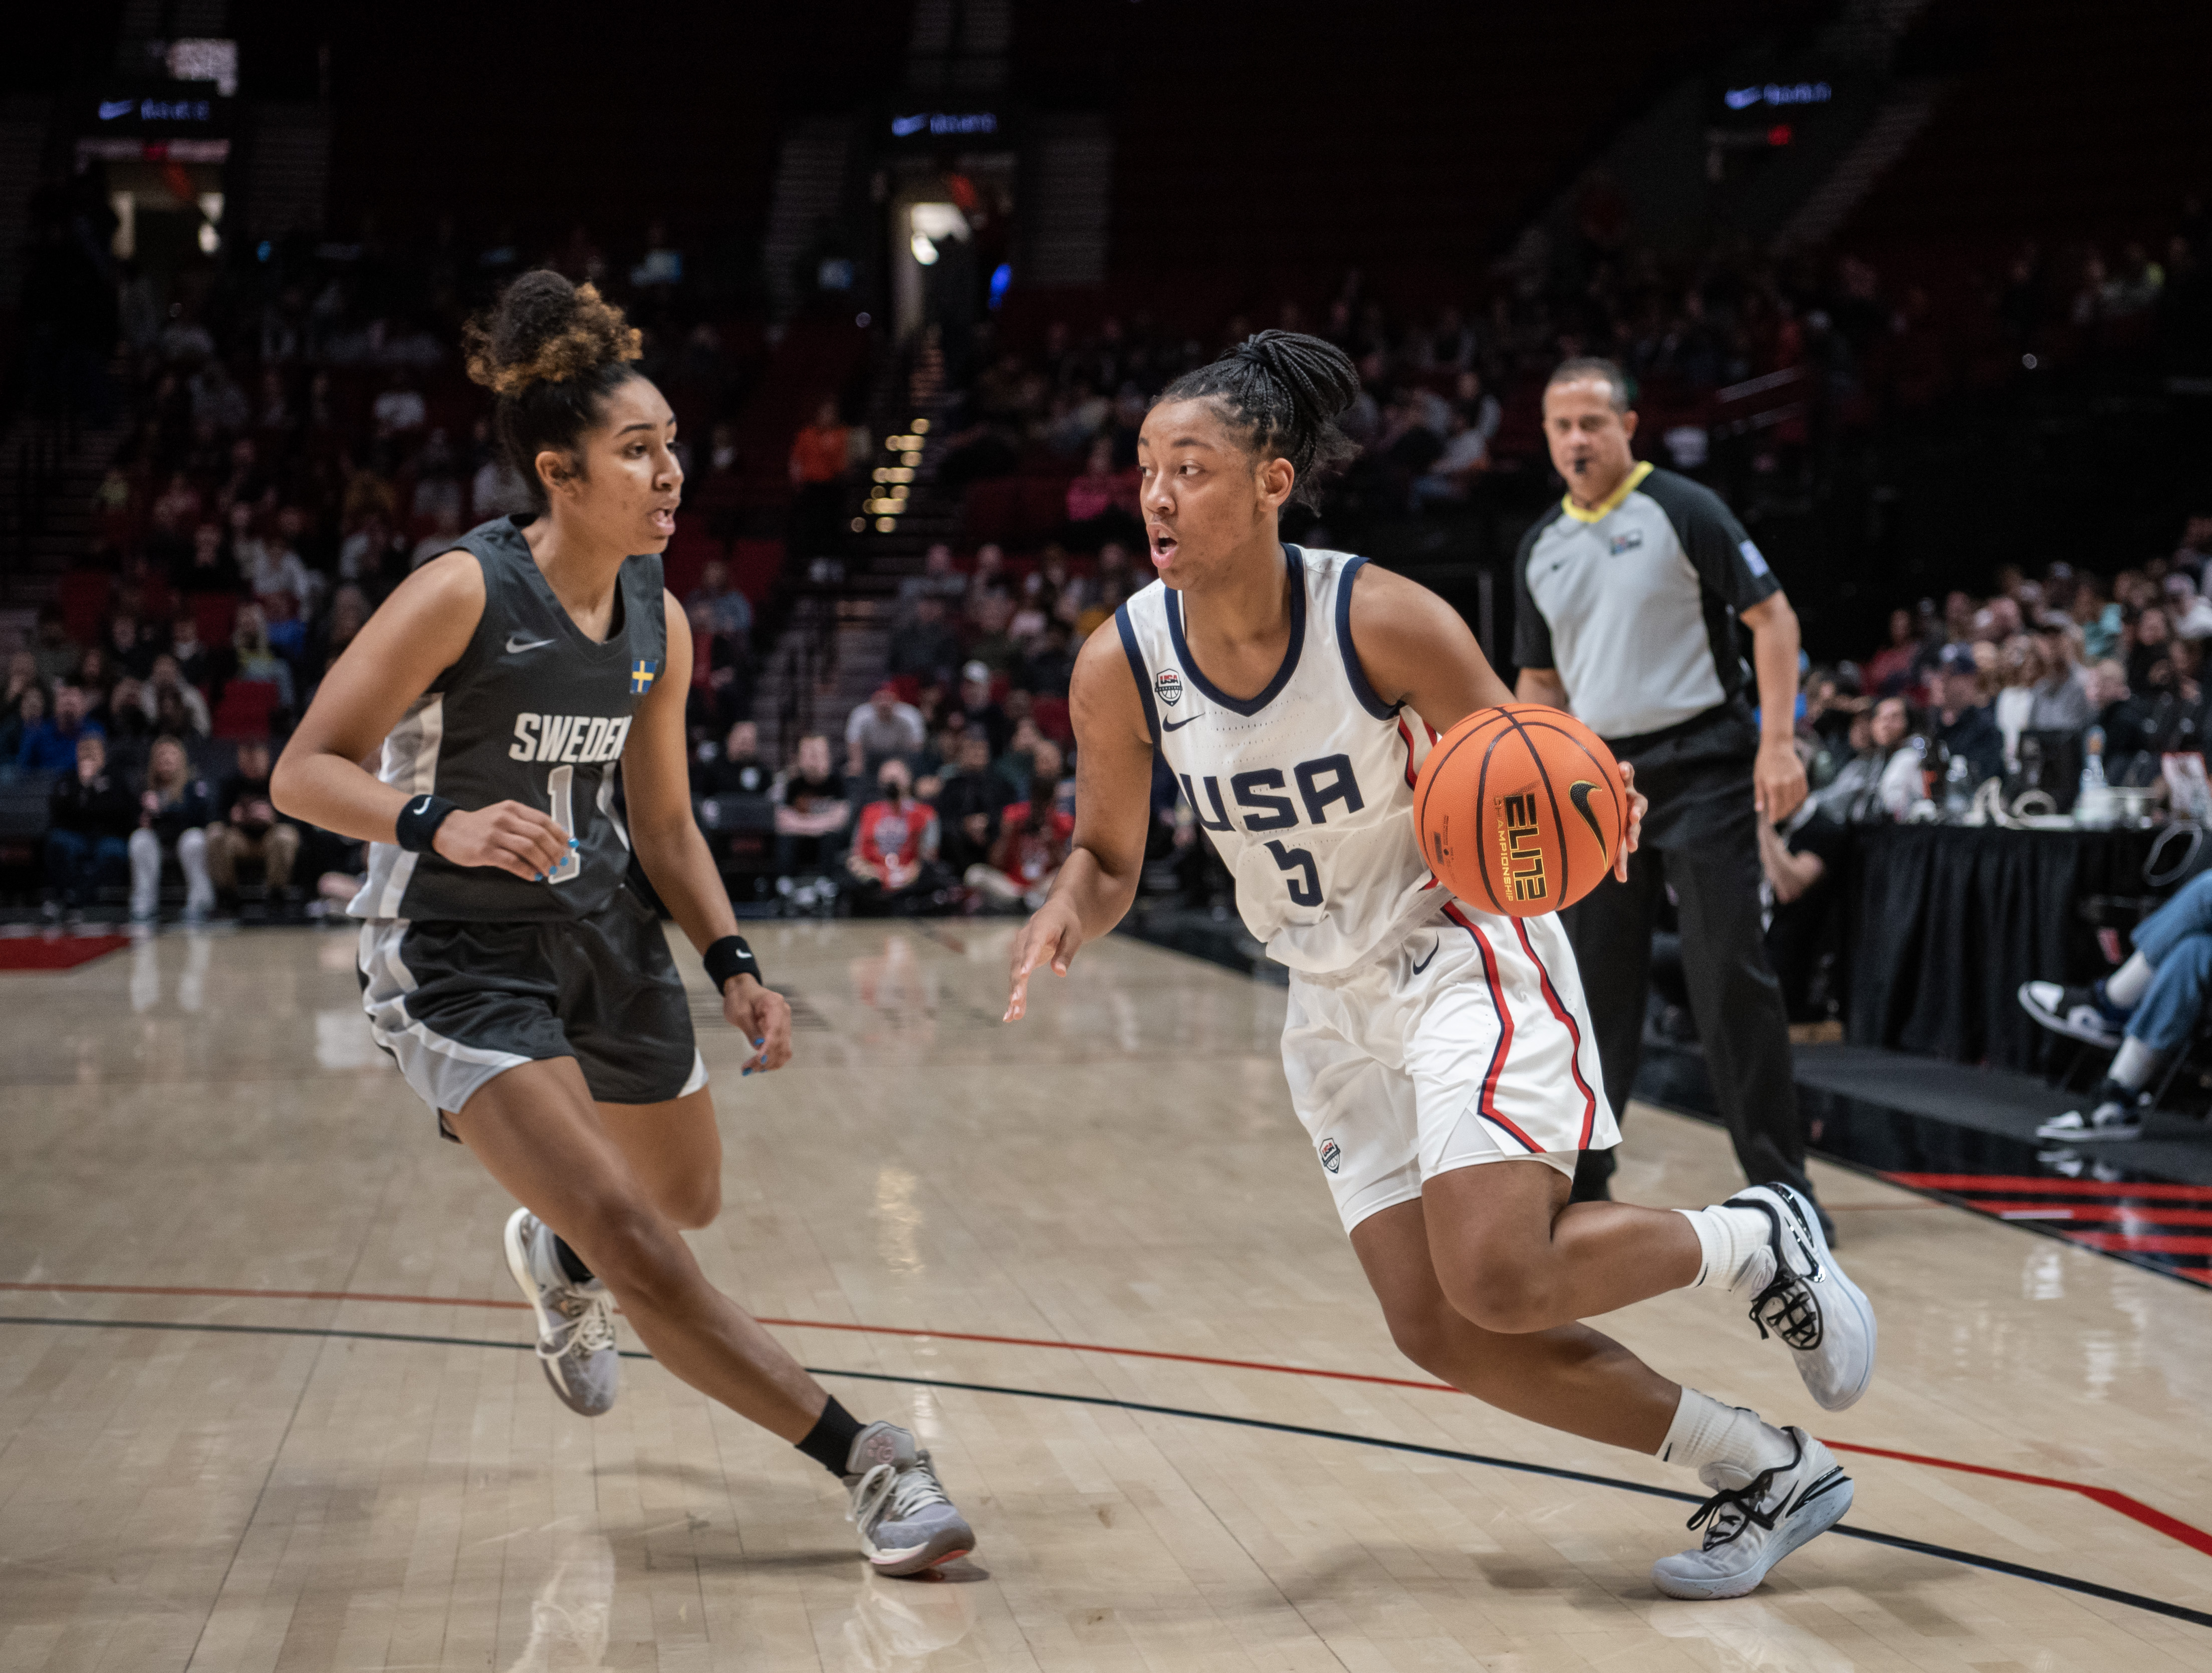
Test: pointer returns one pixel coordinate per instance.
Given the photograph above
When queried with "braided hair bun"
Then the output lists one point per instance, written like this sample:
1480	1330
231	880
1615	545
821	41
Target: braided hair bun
1286	390
550	352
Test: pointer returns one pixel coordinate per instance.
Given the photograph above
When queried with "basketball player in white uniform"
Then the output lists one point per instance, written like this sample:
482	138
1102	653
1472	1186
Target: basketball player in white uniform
1440	1058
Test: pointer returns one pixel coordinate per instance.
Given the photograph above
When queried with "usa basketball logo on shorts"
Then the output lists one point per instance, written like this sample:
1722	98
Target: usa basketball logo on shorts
1168	685
1330	1155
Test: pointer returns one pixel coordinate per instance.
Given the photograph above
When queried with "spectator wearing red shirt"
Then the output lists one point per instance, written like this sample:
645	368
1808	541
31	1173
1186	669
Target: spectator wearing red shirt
819	459
1889	669
894	857
1101	502
1032	844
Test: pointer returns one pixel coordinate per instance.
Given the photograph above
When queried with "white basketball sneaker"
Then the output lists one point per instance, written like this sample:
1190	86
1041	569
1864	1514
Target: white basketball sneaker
1754	1526
1823	1317
908	1522
575	1322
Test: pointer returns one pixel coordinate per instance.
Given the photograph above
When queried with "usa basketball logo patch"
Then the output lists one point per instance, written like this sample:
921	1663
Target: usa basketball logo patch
1169	687
1330	1155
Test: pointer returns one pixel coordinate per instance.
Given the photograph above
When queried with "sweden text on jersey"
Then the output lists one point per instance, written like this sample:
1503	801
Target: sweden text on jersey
533	712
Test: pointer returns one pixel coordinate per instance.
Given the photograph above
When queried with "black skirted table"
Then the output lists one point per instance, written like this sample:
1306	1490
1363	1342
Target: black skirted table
1944	922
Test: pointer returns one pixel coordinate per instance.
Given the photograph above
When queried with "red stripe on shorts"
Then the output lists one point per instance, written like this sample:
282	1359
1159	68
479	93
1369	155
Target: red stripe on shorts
1488	1102
1558	1010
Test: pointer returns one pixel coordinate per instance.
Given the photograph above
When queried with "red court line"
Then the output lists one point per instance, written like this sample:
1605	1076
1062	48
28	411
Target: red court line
1971	1182
789	1323
260	1295
2088	1213
39	952
2134	1509
2138	1243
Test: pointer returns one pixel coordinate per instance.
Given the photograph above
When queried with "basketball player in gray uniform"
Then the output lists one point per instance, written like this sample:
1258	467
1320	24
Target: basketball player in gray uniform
1439	1056
529	996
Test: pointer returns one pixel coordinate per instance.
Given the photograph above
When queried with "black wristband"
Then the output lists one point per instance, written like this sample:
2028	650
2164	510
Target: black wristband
419	821
731	956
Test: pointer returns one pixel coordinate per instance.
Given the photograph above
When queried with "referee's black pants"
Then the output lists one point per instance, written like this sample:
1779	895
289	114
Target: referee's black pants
1706	847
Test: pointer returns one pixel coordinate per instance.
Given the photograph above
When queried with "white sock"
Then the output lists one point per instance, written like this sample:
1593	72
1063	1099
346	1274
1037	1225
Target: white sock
2133	1064
1727	1446
1737	1245
2125	986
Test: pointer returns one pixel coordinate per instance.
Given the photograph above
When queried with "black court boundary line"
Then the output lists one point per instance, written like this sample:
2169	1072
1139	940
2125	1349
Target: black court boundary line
1896	1542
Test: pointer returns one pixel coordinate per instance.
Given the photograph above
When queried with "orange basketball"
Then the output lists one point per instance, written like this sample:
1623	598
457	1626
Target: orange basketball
1520	810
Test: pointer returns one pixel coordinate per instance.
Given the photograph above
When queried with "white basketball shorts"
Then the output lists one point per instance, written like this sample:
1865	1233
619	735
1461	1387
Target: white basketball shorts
1469	1042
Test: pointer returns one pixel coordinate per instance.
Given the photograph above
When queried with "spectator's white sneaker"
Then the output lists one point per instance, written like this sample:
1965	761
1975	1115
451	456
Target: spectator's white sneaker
2073	1012
575	1322
1750	1527
2116	1114
907	1521
1823	1318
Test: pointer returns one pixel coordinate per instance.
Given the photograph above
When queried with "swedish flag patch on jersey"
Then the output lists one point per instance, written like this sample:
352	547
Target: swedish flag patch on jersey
641	676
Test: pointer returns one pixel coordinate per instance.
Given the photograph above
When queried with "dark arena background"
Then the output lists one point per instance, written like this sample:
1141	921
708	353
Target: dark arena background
1921	289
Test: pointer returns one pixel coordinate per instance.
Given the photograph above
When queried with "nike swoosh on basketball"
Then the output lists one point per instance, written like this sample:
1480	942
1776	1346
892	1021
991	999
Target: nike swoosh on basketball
1579	794
1177	726
516	644
1431	958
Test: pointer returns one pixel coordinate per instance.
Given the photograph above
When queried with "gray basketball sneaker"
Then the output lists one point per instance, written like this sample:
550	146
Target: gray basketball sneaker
907	1521
1823	1318
575	1322
1752	1527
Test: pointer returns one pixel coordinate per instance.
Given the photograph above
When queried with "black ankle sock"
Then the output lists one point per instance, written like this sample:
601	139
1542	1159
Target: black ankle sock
571	1263
829	1442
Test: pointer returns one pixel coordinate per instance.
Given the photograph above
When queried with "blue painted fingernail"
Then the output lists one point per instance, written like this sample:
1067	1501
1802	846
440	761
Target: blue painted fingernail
540	878
742	1073
573	844
760	1042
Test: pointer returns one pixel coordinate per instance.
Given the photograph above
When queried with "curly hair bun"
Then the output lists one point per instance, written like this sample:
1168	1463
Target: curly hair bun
545	330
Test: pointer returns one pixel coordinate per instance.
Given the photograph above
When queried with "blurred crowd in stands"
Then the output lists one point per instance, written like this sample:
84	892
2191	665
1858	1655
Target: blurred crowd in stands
298	435
1785	355
2022	686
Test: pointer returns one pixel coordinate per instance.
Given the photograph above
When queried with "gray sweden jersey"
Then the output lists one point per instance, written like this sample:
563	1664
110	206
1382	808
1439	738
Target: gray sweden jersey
533	712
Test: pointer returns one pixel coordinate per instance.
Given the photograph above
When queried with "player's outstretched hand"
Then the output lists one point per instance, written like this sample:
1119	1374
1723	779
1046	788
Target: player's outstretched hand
1638	805
765	1016
507	834
1051	936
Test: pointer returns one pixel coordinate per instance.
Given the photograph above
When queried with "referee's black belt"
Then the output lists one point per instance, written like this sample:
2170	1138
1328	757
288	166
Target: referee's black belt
1732	710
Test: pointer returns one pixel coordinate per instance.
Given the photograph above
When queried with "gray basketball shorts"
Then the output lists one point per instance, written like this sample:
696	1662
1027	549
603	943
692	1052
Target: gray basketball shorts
456	1003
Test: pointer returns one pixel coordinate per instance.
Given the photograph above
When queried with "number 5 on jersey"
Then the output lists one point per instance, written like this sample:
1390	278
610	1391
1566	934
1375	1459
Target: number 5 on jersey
1305	887
560	785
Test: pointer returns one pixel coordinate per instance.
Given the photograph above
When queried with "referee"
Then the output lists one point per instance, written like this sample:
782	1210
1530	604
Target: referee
1628	594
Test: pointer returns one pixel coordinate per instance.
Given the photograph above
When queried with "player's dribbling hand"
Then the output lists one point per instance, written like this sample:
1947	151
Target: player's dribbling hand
1638	805
1051	936
506	836
765	1016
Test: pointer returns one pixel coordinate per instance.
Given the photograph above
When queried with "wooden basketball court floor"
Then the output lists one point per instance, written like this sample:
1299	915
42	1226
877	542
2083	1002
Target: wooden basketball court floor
265	1400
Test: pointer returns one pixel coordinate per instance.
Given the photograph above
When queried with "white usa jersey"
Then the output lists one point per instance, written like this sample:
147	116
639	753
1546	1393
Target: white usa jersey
1307	790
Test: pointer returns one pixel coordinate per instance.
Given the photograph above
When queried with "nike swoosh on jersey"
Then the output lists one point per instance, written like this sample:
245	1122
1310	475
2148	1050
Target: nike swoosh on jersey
1579	794
1177	726
1431	958
516	644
